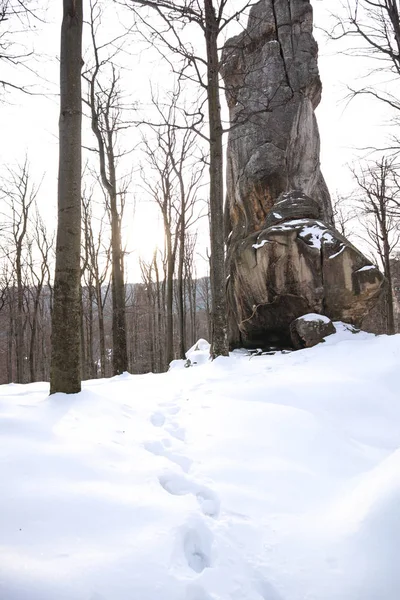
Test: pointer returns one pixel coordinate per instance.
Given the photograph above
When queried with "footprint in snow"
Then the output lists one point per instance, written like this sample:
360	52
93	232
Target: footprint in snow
196	558
173	410
159	449
177	432
179	485
197	544
157	419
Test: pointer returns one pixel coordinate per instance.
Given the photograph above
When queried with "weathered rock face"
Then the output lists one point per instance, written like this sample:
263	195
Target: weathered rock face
272	87
292	267
284	257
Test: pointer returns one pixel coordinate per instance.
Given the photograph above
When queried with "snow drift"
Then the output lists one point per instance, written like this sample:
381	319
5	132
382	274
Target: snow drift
249	478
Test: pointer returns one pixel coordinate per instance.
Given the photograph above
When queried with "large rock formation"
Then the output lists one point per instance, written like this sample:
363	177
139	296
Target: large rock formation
284	256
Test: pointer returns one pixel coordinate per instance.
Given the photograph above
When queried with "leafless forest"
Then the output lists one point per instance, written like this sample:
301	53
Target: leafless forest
174	160
26	296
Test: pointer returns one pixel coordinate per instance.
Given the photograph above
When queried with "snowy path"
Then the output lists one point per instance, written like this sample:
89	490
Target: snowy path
275	478
203	539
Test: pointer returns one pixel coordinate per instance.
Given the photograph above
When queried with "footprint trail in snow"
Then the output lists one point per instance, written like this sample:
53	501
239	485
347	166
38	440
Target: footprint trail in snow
178	485
195	538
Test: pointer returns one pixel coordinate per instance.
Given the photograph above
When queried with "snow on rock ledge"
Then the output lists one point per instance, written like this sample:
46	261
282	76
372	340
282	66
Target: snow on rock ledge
309	330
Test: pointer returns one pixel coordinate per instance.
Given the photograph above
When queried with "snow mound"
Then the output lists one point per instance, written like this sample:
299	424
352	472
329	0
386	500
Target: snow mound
199	354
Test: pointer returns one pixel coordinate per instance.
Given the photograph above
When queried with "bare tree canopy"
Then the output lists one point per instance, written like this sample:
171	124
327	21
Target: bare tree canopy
373	29
16	18
379	210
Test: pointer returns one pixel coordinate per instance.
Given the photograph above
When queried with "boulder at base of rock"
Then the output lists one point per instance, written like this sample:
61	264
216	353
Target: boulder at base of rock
291	268
309	330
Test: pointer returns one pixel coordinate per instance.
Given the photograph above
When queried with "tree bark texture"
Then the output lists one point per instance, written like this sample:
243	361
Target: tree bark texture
65	373
32	362
180	290
217	265
388	274
102	343
19	325
120	352
169	292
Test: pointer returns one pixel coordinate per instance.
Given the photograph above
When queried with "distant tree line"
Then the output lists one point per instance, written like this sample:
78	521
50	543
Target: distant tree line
26	304
157	331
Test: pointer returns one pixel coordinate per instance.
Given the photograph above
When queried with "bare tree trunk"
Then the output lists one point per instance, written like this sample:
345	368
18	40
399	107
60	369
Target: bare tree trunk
164	313
190	288
105	128
44	245
65	373
207	305
217	275
135	331
193	297
43	378
19	325
90	359
32	362
83	345
159	316
191	294
96	275
170	275
100	313
150	324
154	331
43	358
180	288
21	199
120	353
388	275
10	341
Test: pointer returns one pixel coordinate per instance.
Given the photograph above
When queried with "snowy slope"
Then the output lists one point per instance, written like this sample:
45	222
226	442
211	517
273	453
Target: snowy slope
263	478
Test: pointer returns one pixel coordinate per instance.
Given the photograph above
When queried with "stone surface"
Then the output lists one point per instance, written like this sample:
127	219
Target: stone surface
309	330
273	87
284	256
292	268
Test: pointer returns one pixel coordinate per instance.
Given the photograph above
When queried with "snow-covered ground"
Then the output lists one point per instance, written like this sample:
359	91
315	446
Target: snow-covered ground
262	478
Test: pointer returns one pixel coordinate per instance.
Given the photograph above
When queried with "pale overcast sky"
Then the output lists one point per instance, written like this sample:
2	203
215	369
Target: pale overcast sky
30	124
